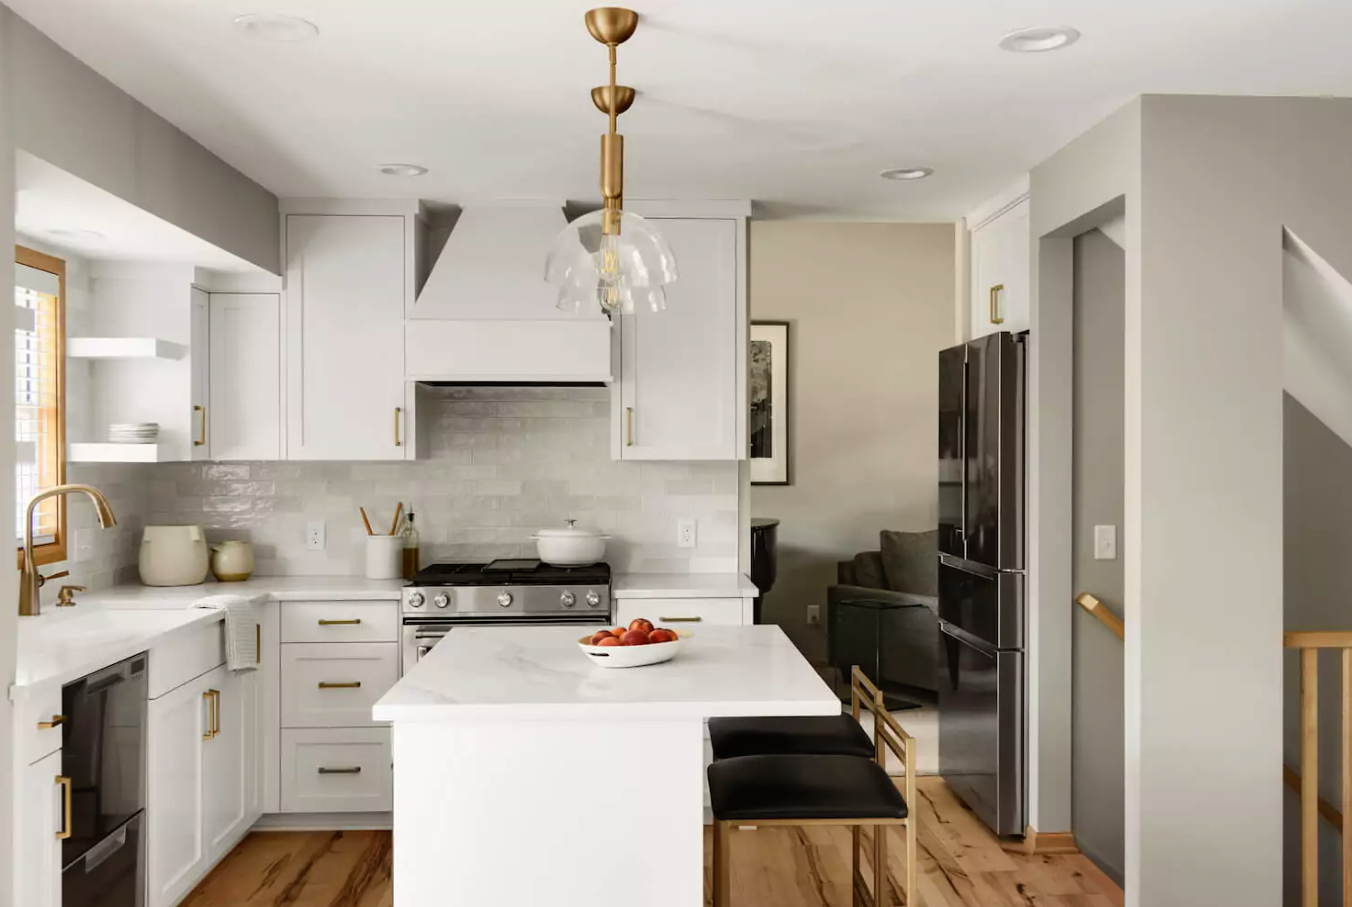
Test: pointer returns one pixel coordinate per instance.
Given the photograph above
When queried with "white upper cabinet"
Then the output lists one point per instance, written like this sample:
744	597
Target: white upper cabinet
200	354
245	413
681	393
1001	248
345	297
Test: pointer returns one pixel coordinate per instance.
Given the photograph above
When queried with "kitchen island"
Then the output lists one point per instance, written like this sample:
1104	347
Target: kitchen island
525	774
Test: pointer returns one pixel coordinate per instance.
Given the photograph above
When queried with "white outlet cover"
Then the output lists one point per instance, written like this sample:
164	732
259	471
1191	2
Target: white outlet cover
814	615
315	535
1105	543
685	534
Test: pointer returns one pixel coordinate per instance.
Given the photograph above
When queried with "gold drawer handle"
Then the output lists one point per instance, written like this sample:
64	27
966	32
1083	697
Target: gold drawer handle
201	439
679	620
65	783
339	623
347	685
48	725
397	441
351	770
997	297
628	426
211	714
216	711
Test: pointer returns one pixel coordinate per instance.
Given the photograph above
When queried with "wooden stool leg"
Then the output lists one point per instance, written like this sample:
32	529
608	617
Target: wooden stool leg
855	869
880	866
912	864
722	871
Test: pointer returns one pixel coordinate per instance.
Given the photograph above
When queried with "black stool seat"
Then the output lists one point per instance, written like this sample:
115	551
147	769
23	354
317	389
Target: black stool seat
821	735
761	788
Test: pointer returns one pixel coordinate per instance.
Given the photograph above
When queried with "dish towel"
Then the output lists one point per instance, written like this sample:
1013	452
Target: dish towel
241	630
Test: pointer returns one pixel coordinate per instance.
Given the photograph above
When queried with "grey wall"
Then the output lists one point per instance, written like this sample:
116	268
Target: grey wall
1318	594
870	307
70	116
9	591
1098	746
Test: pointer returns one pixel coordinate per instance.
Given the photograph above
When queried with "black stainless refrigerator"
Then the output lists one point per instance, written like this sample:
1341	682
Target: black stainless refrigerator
982	713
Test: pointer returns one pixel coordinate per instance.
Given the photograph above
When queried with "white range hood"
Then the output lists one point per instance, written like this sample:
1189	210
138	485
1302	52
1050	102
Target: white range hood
486	313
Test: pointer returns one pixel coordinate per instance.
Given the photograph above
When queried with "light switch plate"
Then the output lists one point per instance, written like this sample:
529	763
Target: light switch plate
314	535
83	540
814	615
1105	543
685	533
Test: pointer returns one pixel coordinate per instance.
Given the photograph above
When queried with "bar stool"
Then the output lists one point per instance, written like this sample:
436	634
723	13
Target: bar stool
818	735
796	790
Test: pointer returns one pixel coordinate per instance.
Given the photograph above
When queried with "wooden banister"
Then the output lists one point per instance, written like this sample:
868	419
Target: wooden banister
1100	610
1311	806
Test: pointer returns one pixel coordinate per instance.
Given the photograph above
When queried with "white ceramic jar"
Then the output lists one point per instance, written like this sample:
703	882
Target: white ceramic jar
173	556
232	562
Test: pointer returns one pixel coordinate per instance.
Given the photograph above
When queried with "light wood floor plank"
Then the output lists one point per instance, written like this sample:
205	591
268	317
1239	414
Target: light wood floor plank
961	865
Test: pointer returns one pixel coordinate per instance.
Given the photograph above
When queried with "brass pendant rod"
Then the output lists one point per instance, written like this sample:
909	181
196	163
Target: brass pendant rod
614	114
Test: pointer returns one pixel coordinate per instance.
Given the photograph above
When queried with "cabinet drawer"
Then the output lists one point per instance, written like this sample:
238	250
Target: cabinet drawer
337	771
368	621
185	657
335	684
687	613
35	742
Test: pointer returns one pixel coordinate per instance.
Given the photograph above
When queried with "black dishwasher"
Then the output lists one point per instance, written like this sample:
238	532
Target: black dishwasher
103	757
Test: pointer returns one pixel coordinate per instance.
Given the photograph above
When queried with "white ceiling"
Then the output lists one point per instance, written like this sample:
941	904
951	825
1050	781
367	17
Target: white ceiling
64	210
795	105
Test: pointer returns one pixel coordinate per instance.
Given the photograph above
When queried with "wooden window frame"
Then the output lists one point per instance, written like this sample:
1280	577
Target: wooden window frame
53	551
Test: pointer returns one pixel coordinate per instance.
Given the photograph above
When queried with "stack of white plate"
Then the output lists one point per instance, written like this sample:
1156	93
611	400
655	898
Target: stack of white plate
134	432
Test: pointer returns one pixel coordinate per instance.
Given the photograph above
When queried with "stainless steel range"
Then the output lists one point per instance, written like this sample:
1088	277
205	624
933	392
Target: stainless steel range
518	593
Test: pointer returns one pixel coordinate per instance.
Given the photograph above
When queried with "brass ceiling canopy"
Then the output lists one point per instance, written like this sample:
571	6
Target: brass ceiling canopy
612	26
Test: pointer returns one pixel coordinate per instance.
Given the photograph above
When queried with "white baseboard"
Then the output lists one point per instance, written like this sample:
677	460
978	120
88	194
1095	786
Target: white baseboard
325	822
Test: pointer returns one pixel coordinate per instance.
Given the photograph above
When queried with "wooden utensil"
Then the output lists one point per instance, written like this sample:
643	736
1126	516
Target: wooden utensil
369	531
398	511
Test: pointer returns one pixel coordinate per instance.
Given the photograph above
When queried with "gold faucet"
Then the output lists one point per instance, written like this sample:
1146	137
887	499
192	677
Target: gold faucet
30	580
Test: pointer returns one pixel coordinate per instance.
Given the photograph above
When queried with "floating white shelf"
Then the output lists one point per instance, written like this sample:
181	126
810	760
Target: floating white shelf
123	348
117	453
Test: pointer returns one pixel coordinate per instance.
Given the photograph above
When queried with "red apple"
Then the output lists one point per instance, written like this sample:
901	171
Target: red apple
641	623
610	641
635	638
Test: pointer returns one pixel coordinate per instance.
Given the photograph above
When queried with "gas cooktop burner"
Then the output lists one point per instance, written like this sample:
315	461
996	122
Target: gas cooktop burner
509	572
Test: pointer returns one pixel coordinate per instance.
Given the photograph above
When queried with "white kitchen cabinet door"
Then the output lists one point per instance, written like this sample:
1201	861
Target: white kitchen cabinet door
1000	273
37	849
178	732
345	338
229	761
200	391
246	377
679	395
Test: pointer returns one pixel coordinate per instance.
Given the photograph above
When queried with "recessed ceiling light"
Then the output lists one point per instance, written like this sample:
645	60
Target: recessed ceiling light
401	169
276	27
907	173
1039	39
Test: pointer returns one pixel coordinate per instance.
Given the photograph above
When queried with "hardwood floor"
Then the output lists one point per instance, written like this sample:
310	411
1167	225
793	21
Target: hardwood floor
961	865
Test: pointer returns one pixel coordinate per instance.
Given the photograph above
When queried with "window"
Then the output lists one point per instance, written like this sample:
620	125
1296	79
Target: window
40	398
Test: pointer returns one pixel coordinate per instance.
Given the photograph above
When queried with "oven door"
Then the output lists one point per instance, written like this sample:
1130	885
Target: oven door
420	636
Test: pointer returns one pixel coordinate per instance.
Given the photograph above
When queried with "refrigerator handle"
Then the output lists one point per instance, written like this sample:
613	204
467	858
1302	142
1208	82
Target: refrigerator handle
962	451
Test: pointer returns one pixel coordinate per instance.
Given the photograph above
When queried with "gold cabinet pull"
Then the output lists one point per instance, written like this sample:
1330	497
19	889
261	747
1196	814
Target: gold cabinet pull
628	426
211	714
217	695
324	622
350	770
65	783
397	441
345	685
56	721
258	643
997	296
679	620
201	439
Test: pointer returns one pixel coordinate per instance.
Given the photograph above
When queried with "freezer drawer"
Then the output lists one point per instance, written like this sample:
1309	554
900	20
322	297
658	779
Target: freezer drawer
982	602
981	728
111	873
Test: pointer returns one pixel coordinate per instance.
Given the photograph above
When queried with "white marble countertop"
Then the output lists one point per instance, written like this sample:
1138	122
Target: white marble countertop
258	588
682	585
539	673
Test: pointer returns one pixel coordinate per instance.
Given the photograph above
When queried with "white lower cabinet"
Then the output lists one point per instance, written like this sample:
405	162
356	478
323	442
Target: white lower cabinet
337	770
684	613
332	685
40	812
203	778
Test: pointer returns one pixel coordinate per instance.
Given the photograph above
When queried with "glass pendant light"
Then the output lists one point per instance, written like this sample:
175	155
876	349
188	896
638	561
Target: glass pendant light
611	259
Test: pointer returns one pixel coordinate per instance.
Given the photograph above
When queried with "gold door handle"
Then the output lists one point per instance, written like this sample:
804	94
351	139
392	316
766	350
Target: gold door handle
48	725
65	831
397	441
679	620
258	643
201	439
216	731
323	622
211	713
628	426
997	296
345	685
350	770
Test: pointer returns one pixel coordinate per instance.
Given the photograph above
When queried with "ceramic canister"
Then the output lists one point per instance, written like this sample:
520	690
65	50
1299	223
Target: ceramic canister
232	562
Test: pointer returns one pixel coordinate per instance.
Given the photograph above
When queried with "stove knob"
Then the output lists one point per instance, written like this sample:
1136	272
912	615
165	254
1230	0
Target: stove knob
415	599
568	599
505	599
593	599
442	600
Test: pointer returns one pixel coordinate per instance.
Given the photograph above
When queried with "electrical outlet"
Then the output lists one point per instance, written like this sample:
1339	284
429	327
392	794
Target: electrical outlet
685	533
83	543
814	615
1105	543
314	535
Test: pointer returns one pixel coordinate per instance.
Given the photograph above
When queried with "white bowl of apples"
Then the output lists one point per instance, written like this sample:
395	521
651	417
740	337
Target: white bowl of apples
634	646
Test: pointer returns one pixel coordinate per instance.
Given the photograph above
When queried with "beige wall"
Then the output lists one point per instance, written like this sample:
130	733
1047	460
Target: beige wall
870	306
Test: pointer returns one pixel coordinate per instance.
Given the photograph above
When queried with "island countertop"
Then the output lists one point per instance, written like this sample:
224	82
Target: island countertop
539	673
